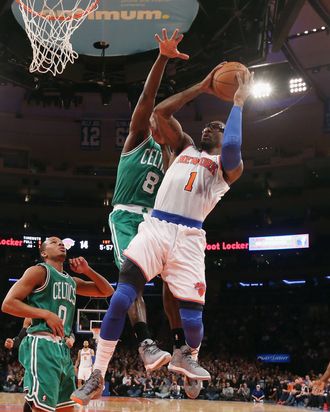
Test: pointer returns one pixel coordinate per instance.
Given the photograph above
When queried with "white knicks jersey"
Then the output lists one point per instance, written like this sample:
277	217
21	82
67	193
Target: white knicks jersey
86	358
192	185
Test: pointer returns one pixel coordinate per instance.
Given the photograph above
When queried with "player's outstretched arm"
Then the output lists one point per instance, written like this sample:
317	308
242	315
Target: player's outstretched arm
231	157
98	286
33	278
139	126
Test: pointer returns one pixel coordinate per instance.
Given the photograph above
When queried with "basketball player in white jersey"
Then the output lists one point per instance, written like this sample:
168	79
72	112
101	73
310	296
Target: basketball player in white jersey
171	241
84	363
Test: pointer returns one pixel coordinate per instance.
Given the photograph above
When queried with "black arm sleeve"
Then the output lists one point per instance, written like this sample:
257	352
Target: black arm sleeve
18	339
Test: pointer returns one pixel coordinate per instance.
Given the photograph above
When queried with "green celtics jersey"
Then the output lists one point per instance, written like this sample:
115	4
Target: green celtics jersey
58	295
140	173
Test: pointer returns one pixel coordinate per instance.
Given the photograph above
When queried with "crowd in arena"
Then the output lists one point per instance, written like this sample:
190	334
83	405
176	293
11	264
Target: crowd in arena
233	338
233	379
237	328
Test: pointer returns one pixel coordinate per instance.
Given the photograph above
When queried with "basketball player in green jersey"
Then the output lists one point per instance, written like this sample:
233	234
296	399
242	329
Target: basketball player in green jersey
50	295
140	173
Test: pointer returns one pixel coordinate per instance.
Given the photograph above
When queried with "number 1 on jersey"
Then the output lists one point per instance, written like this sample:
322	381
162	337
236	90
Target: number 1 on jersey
190	182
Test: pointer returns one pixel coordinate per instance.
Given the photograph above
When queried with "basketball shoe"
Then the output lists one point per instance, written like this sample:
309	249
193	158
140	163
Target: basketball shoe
153	357
183	362
91	389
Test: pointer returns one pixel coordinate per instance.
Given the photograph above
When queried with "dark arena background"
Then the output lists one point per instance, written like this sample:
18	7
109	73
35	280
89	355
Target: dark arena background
267	312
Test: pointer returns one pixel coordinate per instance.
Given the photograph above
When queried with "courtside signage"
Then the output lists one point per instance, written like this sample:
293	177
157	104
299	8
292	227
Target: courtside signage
254	244
274	358
279	242
227	246
25	241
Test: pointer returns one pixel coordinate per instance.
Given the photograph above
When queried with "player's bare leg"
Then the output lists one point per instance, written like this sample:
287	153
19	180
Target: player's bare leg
171	308
153	357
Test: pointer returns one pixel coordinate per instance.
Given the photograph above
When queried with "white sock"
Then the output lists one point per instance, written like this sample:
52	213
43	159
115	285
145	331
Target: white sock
194	351
104	352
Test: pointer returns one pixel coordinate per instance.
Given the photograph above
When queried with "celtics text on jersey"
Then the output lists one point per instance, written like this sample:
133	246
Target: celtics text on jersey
58	295
140	173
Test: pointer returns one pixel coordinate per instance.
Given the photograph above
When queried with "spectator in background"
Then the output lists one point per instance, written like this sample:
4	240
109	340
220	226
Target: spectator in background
135	390
296	391
212	392
10	384
316	399
327	395
303	396
175	390
243	392
148	389
126	384
285	393
228	392
163	390
258	395
275	391
113	387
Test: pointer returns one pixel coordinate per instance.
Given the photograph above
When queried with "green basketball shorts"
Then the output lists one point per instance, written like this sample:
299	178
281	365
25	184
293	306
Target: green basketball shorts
49	376
124	227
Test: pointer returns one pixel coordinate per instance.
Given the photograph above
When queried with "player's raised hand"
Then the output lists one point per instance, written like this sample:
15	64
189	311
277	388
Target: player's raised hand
55	323
169	46
78	265
9	343
245	84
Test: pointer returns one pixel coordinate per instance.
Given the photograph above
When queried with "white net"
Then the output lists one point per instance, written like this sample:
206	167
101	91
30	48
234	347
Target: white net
95	328
96	334
49	25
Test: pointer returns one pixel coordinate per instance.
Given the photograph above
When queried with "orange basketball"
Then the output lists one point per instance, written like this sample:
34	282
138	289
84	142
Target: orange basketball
224	81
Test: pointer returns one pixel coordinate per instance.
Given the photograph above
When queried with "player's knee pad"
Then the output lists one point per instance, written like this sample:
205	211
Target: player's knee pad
114	320
122	300
131	274
191	318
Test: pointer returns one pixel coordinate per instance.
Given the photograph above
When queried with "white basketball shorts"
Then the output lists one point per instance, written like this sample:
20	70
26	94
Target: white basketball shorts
174	251
84	373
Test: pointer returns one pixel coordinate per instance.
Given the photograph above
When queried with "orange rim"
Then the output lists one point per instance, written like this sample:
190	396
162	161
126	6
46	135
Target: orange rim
62	18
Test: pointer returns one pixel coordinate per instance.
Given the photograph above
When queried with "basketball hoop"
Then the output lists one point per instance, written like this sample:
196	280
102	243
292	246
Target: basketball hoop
49	25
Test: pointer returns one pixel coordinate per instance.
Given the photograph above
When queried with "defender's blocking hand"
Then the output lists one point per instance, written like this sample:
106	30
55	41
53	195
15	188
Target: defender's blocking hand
168	47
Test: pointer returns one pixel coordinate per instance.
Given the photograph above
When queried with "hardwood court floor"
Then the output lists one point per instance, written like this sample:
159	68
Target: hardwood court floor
13	403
